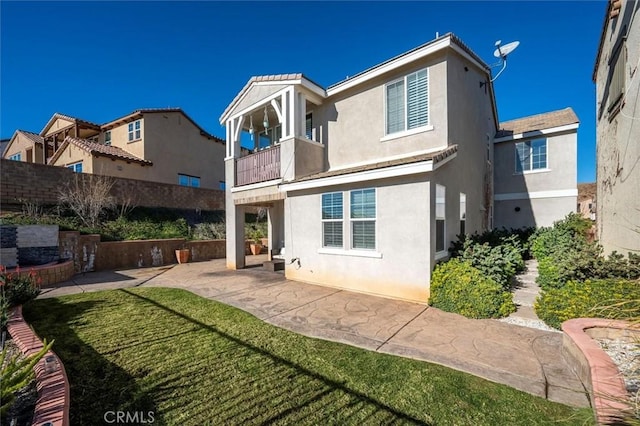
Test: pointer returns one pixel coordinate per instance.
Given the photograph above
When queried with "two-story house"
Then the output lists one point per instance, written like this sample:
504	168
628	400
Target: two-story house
159	145
618	128
535	176
368	181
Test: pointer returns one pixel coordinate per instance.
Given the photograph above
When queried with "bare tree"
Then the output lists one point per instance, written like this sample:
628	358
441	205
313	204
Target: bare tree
88	196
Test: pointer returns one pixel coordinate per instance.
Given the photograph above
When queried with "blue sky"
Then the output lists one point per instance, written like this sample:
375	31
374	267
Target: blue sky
102	60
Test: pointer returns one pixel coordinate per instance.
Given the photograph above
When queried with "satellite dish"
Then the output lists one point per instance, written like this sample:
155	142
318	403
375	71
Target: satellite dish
503	51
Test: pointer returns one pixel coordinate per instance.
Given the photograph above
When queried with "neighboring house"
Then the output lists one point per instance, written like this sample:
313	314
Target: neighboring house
366	181
618	128
587	200
159	145
535	178
3	144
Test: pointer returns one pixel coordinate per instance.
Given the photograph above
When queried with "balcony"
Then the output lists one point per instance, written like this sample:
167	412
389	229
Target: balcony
259	167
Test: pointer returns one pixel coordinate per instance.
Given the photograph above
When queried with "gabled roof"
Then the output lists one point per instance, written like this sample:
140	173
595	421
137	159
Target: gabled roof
140	112
294	77
99	150
547	120
33	137
436	157
57	115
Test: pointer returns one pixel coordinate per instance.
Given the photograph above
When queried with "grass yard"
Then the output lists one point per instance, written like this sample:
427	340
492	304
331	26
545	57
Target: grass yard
192	361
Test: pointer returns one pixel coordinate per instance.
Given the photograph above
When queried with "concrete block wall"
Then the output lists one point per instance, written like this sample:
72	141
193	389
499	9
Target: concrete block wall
22	182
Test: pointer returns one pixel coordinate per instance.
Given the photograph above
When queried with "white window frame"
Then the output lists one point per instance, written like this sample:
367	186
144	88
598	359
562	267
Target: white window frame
134	134
443	218
463	213
374	219
406	131
341	220
530	148
107	138
16	157
74	167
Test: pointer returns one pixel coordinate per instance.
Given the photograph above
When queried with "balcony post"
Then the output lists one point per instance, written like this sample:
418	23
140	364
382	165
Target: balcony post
234	218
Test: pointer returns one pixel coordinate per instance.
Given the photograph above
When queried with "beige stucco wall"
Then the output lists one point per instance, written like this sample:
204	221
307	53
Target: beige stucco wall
120	139
19	145
119	168
618	150
174	145
58	124
561	164
71	155
532	212
355	118
256	94
402	236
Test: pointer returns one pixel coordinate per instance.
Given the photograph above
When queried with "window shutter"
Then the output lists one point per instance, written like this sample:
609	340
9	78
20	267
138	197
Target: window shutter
395	107
417	108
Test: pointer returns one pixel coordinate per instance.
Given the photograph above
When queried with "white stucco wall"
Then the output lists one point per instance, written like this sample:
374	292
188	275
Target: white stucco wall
403	267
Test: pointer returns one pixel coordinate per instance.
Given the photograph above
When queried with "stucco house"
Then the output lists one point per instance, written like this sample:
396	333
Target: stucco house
618	128
535	178
160	145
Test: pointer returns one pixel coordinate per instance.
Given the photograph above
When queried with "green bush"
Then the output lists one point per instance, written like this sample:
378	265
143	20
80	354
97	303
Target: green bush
500	263
593	298
458	287
15	289
517	237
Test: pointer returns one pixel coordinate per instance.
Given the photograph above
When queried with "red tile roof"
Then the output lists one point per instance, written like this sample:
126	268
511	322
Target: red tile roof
97	149
33	137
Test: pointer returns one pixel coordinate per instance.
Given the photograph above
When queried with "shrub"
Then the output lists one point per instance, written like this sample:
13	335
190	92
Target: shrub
209	231
596	298
500	263
19	288
458	287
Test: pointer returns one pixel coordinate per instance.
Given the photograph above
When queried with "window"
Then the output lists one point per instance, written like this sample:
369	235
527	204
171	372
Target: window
270	137
407	102
332	220
107	138
440	218
531	155
463	213
186	180
308	126
617	66
134	131
363	219
222	185
76	167
16	157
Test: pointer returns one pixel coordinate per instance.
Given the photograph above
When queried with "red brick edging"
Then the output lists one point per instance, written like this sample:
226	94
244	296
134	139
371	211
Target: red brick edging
53	387
594	367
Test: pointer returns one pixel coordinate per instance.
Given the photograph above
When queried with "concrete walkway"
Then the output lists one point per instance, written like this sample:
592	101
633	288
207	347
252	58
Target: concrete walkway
524	358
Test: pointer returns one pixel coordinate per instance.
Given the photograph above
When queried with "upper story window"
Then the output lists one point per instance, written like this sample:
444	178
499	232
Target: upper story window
107	138
407	102
134	131
186	180
76	167
463	213
531	155
308	126
617	72
332	217
16	157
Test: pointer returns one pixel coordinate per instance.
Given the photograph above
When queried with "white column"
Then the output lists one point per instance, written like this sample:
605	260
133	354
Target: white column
293	124
301	109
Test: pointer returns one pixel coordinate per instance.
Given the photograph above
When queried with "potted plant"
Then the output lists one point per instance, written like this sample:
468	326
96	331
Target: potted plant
256	242
182	254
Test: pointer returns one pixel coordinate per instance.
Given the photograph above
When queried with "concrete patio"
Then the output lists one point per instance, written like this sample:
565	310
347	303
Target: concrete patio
524	358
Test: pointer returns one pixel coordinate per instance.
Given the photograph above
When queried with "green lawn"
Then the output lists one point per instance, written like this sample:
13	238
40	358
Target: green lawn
193	361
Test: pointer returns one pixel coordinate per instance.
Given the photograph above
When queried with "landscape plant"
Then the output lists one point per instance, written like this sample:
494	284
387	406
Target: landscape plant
457	286
17	372
16	288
